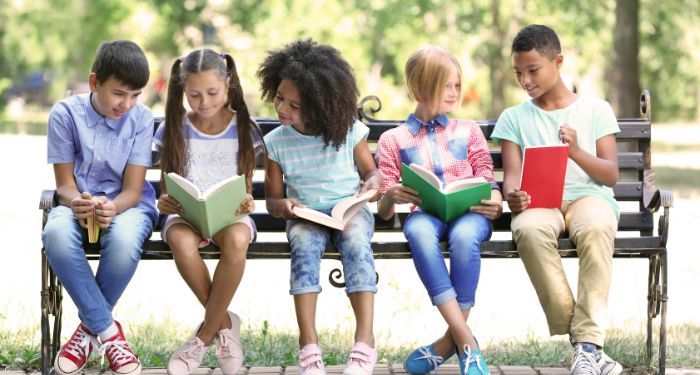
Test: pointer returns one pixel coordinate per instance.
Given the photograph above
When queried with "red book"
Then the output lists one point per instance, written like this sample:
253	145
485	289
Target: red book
543	173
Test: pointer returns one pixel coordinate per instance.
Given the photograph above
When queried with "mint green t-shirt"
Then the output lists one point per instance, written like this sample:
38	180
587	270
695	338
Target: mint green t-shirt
592	118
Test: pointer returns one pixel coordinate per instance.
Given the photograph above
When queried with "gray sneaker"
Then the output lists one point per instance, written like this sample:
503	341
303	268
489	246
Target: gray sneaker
584	363
607	365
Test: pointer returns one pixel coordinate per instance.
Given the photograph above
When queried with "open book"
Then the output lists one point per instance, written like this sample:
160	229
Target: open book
341	213
212	210
543	174
449	201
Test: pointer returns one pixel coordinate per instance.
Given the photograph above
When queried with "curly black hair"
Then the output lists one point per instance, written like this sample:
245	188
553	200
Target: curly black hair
325	82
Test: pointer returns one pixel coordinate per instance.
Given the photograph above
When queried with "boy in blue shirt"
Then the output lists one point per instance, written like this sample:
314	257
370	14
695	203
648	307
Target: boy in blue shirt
589	212
100	146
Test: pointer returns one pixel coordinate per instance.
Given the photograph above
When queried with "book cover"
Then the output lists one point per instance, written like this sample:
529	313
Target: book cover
341	213
211	210
543	174
447	202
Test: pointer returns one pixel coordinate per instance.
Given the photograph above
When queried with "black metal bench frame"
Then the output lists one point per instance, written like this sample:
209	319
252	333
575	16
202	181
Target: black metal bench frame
634	155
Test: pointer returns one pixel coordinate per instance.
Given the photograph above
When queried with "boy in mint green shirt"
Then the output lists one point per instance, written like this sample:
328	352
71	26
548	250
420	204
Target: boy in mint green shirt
589	212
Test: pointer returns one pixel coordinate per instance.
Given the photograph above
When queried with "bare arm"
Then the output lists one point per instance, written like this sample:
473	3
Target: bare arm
69	195
276	204
368	169
512	165
603	166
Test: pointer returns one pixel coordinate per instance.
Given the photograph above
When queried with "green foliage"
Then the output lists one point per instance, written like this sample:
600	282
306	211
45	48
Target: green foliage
376	36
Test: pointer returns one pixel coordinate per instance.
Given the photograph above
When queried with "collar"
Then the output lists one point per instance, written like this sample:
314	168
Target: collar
93	116
414	124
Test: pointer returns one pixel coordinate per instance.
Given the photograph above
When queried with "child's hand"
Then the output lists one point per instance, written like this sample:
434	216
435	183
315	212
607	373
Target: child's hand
491	208
369	185
568	135
517	200
105	211
288	206
83	207
400	194
168	205
247	206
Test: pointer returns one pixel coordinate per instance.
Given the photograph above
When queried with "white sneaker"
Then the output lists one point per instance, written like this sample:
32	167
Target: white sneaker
607	365
584	363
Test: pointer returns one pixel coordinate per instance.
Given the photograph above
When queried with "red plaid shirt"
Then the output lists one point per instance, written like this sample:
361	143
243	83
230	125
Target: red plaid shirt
453	149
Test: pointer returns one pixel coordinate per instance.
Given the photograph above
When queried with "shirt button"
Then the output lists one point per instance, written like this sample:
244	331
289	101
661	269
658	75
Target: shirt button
99	158
92	174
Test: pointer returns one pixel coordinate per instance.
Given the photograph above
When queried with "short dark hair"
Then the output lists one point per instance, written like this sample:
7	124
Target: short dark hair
538	37
124	60
325	82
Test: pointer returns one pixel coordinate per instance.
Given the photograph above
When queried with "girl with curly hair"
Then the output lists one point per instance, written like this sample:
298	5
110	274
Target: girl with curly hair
321	152
215	140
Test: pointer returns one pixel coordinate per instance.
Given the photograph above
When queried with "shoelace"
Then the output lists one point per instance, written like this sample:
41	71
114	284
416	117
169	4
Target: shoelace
79	345
225	343
311	360
118	353
433	359
472	358
585	363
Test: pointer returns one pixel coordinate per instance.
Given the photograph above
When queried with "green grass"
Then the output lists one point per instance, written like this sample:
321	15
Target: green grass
155	342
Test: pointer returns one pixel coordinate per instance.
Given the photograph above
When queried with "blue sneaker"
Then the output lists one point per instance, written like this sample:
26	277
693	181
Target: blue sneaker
472	362
423	360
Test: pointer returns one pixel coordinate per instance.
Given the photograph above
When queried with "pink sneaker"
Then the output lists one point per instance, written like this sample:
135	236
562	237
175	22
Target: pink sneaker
361	360
75	353
311	360
187	357
122	359
228	347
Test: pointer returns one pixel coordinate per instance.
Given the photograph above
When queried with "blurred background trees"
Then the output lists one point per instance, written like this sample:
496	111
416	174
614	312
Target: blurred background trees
612	48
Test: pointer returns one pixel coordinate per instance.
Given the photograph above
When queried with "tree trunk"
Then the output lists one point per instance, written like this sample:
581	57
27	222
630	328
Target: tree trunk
625	89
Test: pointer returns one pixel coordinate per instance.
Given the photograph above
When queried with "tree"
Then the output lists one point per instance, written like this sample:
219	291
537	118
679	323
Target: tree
624	87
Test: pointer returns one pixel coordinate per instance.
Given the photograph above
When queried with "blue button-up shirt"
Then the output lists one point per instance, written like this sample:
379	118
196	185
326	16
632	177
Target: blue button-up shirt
100	148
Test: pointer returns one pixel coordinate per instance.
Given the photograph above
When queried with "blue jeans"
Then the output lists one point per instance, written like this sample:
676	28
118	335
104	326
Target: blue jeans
464	236
96	295
308	241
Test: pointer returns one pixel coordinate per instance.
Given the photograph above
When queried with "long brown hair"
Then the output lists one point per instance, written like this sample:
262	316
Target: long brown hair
174	144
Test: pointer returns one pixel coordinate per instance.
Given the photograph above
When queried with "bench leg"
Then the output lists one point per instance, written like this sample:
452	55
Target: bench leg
51	304
653	294
664	301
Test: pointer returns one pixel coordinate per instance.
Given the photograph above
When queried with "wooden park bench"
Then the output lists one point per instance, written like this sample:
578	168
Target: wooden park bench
635	238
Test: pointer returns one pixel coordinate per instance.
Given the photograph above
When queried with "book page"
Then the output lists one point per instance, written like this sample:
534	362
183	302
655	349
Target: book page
463	184
317	217
219	186
427	175
185	184
347	208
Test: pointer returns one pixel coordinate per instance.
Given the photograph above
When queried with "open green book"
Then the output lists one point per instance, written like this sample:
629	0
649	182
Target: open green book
209	211
450	201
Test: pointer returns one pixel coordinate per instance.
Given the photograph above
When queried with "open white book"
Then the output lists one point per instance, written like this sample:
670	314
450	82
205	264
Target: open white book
453	186
341	212
211	210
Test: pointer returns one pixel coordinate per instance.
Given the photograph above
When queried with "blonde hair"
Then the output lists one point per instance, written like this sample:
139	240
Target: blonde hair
427	71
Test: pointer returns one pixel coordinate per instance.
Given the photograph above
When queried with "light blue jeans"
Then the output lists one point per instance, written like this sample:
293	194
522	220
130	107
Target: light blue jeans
464	236
308	241
96	295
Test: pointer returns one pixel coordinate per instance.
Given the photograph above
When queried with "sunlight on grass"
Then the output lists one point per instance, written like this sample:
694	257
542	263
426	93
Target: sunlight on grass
154	343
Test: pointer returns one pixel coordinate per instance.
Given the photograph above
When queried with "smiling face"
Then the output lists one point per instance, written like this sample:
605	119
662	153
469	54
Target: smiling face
535	73
112	98
287	103
206	92
450	92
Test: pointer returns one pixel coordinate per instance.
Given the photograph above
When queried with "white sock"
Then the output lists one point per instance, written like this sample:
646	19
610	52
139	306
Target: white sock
109	332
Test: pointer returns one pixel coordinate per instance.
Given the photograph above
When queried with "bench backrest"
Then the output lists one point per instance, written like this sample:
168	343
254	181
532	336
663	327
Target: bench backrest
635	185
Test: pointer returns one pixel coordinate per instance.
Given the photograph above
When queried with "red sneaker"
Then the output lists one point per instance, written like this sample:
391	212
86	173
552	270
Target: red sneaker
75	353
122	359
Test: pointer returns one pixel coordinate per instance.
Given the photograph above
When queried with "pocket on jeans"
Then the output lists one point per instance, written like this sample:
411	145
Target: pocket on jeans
458	148
410	155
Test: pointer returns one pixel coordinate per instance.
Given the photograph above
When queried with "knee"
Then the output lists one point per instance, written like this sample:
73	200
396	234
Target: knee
534	232
235	247
60	238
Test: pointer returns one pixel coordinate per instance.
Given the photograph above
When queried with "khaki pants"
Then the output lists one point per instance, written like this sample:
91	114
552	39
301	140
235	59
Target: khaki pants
591	224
